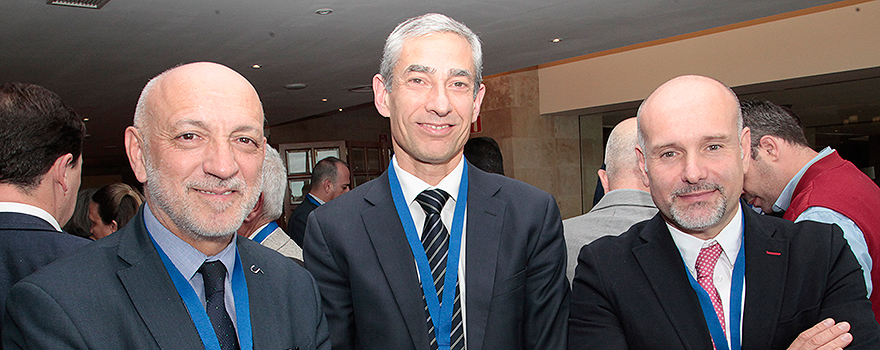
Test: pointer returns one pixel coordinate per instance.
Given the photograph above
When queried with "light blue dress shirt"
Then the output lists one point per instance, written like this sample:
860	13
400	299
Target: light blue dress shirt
188	259
851	232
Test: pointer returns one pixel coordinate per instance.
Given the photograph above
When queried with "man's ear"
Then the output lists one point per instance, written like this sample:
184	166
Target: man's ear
603	179
60	170
114	226
769	147
380	96
258	208
478	102
134	148
327	185
745	142
643	167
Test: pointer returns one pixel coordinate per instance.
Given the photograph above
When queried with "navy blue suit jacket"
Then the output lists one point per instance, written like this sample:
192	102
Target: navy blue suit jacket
516	292
28	243
296	226
117	294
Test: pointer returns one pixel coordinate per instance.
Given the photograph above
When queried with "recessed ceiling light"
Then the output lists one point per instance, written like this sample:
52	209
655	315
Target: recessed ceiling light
340	109
85	119
556	40
323	100
295	86
256	66
324	11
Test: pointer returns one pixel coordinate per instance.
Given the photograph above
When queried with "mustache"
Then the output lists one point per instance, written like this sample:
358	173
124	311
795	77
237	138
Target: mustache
704	186
233	184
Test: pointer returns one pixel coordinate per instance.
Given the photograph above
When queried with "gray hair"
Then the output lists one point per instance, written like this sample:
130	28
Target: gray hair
426	24
274	182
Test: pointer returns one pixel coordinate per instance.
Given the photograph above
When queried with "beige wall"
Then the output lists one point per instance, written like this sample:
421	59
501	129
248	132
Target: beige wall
540	150
815	41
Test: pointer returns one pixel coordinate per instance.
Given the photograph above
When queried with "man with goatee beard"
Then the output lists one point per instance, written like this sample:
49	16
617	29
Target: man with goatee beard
704	272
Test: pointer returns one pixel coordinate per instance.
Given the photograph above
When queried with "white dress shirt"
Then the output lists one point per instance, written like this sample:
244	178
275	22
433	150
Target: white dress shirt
411	186
730	240
15	207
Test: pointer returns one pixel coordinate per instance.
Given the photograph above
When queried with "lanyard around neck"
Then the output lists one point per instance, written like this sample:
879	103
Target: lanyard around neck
441	315
736	293
265	232
197	310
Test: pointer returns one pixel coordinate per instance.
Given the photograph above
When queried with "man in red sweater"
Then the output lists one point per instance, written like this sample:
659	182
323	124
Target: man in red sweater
790	177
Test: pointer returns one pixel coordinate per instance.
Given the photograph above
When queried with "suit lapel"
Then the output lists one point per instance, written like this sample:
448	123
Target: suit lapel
766	271
259	297
395	257
665	272
151	291
485	216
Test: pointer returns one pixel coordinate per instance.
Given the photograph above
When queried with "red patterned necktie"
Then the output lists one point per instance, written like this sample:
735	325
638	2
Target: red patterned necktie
705	276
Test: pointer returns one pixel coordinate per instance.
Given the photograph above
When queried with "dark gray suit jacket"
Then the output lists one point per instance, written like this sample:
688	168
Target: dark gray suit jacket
116	294
632	291
516	293
28	243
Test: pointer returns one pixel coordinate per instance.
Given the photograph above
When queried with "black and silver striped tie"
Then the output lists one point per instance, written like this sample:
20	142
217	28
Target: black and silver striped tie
435	240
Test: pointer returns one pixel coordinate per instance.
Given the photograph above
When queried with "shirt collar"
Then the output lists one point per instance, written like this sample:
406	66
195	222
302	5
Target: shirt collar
730	239
784	199
185	257
412	185
321	202
28	209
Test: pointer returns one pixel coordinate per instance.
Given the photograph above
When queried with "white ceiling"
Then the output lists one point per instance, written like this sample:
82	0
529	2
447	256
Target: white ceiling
98	60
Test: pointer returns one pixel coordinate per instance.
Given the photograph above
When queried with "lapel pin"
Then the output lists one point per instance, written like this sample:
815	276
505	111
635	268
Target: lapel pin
256	269
774	253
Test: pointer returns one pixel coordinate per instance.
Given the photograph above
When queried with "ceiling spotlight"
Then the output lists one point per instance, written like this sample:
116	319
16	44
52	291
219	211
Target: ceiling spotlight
323	100
324	11
295	86
85	119
256	66
340	109
556	40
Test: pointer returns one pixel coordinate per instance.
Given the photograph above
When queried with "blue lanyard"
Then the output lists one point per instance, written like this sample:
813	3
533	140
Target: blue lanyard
309	197
441	315
736	291
261	236
197	310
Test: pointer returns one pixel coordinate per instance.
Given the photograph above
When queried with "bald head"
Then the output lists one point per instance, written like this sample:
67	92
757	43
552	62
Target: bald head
689	91
621	163
197	145
187	83
692	150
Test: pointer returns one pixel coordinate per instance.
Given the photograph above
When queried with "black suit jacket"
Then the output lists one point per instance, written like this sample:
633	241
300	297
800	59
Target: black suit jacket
116	294
28	243
516	292
296	226
632	291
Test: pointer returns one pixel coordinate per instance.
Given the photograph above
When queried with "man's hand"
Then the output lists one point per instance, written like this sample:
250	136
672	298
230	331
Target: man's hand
825	335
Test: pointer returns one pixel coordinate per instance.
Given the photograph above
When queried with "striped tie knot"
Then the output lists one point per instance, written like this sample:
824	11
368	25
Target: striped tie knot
432	200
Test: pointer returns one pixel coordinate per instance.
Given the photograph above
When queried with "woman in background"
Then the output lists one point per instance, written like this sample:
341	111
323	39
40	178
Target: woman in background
80	224
112	207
